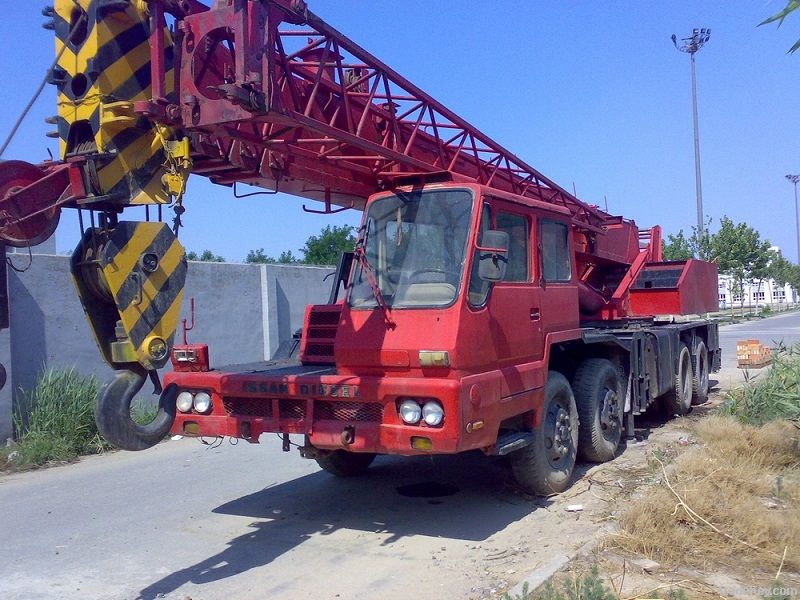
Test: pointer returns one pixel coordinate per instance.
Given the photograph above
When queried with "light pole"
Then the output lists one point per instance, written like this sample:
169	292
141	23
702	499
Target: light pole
691	45
794	179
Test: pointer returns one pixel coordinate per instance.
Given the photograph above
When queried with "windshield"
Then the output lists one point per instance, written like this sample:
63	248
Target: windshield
415	245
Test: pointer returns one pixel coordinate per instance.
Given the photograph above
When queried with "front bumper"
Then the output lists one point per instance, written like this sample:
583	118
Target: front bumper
334	412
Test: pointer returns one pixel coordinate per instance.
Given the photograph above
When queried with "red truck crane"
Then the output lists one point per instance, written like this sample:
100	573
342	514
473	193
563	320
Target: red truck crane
483	307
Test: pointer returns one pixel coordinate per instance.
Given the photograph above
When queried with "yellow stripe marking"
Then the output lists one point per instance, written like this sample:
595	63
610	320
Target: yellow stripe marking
124	262
152	285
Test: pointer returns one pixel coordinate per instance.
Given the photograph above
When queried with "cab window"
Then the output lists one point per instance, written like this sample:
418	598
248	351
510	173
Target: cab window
556	264
516	226
479	289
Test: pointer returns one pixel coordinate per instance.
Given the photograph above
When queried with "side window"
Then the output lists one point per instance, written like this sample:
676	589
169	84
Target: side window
516	227
556	265
479	289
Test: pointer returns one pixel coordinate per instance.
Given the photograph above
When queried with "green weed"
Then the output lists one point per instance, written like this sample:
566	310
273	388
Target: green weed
589	587
772	396
55	421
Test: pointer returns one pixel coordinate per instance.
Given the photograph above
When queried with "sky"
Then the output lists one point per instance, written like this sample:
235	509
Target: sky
590	93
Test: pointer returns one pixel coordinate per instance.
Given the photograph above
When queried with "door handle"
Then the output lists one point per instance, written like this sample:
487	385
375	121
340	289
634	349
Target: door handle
535	314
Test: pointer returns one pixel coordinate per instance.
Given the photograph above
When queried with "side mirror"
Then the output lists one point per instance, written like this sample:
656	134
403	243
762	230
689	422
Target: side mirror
493	255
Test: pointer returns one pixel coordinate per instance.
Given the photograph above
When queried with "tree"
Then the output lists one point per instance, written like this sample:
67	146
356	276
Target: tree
325	248
791	6
287	258
677	248
257	257
740	252
700	243
780	269
206	256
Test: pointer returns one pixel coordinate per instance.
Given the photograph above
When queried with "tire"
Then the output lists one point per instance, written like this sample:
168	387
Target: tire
700	375
678	401
343	463
545	466
600	398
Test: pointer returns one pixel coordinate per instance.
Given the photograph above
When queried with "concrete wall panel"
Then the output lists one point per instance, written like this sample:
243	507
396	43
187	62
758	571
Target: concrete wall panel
242	312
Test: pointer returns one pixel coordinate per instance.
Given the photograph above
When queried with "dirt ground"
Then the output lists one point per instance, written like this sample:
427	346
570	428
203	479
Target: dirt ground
605	491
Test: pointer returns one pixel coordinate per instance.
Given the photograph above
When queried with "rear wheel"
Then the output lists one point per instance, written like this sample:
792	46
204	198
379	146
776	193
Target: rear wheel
344	464
700	375
678	401
545	466
600	400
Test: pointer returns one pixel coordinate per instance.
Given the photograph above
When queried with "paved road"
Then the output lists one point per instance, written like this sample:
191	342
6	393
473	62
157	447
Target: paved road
181	520
772	332
185	520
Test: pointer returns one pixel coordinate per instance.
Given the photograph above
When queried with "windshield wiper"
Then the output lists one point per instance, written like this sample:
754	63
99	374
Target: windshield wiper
360	254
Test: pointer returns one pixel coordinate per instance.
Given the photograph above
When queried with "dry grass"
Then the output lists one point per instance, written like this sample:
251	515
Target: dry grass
732	499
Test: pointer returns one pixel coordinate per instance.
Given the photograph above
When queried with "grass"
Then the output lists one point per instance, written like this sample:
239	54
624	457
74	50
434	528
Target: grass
775	395
570	587
55	421
589	586
732	499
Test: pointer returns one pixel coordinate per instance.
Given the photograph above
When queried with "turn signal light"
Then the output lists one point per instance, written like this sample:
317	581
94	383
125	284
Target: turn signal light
421	443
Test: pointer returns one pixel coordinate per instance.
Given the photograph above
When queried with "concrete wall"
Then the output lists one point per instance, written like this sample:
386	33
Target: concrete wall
243	312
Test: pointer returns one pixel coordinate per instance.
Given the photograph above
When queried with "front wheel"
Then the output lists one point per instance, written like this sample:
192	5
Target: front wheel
545	466
344	464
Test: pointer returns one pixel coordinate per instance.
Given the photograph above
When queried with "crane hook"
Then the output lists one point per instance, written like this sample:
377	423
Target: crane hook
113	411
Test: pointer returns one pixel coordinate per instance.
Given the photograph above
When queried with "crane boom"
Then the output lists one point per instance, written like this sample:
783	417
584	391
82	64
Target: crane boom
267	93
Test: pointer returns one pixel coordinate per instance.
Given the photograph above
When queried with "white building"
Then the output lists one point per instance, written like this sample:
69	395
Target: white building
763	292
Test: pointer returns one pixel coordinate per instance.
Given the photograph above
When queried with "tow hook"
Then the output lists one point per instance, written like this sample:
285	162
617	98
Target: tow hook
348	435
113	411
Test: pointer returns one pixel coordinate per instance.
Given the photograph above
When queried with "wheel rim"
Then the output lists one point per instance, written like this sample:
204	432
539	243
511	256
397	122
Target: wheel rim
702	364
686	375
609	413
557	433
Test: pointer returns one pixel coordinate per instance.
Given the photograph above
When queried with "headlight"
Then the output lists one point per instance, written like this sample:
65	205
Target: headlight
202	402
432	413
184	401
410	412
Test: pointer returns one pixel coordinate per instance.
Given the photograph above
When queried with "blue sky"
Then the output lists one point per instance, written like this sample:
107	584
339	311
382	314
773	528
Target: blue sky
587	92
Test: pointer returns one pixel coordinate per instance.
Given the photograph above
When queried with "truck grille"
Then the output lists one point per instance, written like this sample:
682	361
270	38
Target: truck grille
248	407
364	412
319	333
295	410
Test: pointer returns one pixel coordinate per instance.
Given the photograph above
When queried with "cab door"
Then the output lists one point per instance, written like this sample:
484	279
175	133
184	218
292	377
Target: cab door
507	313
558	291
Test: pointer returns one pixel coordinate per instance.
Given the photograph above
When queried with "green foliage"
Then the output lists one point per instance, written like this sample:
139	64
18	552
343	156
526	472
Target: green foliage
740	252
791	6
325	248
259	257
773	396
206	256
677	248
784	271
589	587
55	421
698	245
